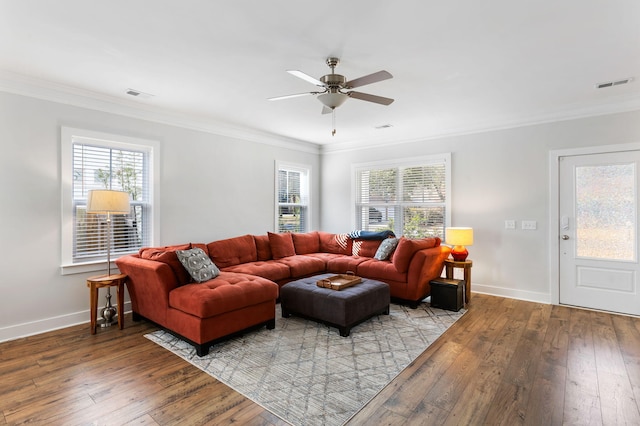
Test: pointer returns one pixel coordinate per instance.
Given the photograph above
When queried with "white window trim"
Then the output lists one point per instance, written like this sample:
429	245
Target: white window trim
403	162
67	136
299	168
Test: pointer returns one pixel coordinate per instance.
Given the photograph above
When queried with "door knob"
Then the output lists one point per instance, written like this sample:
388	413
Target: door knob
565	237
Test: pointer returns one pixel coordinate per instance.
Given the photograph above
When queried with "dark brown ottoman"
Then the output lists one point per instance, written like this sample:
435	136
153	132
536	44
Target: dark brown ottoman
343	309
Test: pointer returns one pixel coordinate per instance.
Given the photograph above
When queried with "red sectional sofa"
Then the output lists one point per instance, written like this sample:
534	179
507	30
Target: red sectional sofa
252	267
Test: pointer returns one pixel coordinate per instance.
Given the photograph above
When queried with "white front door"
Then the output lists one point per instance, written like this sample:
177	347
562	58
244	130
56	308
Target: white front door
598	231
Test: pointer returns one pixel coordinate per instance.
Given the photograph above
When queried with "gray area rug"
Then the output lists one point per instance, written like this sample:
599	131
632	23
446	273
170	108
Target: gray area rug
305	373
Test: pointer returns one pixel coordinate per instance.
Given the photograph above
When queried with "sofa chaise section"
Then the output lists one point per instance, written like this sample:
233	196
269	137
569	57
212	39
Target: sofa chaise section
200	313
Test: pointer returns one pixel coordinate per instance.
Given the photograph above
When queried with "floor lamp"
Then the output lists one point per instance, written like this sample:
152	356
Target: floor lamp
109	202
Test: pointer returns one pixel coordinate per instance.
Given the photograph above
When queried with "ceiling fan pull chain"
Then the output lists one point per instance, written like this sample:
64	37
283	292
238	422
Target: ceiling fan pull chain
333	120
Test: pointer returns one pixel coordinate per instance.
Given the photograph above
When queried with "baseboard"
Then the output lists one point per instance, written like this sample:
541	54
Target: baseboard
48	324
55	323
511	293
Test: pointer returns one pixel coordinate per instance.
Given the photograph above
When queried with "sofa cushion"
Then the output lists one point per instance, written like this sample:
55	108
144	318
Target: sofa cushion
233	251
201	246
381	270
198	264
228	292
168	255
334	243
325	257
344	264
281	245
305	243
386	248
270	269
302	265
263	247
366	248
407	248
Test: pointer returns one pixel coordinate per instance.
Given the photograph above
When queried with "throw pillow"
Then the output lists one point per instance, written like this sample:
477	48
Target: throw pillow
168	255
385	249
307	242
198	264
335	243
281	245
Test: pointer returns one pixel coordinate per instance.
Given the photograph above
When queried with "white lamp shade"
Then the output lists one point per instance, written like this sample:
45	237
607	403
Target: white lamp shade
333	100
459	236
103	201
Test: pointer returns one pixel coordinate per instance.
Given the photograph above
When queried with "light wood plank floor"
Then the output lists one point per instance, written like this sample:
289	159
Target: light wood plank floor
505	362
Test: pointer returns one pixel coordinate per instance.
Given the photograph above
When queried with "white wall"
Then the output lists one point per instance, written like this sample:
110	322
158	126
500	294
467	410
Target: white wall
496	175
211	187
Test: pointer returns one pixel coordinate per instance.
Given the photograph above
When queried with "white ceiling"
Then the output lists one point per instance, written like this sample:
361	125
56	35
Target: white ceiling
458	66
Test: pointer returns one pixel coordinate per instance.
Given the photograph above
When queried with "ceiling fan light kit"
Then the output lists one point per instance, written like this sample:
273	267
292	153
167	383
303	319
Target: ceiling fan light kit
337	89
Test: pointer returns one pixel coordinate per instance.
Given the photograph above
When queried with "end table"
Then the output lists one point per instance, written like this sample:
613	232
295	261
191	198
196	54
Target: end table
449	264
100	281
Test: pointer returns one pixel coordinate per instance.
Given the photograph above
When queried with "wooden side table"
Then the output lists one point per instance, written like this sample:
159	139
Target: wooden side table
100	281
449	264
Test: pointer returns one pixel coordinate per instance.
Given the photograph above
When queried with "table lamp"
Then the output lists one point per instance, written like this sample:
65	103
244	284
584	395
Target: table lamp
459	237
106	201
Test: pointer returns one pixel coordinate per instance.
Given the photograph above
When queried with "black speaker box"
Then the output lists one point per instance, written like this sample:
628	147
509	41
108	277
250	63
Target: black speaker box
447	294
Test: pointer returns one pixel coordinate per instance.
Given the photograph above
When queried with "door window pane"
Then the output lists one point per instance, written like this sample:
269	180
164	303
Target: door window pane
606	212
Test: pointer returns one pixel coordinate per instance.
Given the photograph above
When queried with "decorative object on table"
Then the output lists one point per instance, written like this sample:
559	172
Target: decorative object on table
459	237
339	282
109	202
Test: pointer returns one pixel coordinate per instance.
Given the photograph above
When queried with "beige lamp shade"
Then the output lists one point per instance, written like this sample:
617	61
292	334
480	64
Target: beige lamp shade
459	238
106	201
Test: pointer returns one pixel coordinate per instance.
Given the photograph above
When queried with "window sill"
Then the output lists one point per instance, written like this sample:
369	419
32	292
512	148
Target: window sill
82	268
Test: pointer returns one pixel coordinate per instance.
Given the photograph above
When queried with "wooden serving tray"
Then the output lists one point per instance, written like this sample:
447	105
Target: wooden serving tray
338	282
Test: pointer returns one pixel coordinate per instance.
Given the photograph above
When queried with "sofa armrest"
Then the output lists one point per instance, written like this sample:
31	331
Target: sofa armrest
149	283
426	265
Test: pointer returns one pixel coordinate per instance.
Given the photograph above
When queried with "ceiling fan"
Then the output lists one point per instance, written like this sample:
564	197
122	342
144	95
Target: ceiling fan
336	88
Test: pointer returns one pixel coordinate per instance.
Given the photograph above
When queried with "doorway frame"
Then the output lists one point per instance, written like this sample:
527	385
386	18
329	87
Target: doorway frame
554	205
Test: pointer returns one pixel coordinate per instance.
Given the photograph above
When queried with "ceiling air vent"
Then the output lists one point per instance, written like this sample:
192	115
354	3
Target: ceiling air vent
614	83
138	94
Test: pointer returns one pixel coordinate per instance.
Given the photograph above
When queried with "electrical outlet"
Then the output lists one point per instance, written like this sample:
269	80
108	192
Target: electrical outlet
529	225
509	224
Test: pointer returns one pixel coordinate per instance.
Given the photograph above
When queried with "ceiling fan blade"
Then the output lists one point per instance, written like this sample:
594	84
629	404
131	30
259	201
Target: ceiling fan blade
370	98
326	110
306	77
278	98
368	79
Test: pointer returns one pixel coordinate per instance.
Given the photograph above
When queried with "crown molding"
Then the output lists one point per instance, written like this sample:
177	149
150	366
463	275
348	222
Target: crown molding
54	92
620	104
46	90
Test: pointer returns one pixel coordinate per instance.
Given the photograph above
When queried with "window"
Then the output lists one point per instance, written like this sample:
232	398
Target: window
100	161
410	197
292	193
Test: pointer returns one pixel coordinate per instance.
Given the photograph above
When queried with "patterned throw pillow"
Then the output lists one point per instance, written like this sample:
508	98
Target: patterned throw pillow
386	248
198	264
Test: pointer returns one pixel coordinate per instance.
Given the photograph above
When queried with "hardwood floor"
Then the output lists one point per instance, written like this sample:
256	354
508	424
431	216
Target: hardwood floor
505	362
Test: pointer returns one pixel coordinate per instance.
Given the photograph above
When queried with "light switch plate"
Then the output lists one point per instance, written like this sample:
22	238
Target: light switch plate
509	224
529	225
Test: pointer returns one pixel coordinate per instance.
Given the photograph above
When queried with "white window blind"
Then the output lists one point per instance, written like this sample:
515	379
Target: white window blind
410	199
292	188
102	167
